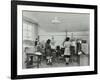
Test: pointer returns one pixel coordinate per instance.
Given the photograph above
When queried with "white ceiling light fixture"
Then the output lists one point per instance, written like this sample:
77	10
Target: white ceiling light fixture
56	20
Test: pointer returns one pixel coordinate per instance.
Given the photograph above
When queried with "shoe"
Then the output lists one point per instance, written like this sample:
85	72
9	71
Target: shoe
67	63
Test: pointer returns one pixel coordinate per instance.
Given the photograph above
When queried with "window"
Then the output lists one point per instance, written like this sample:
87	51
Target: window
27	31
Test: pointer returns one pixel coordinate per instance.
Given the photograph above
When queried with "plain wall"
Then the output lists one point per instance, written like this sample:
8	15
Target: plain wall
59	37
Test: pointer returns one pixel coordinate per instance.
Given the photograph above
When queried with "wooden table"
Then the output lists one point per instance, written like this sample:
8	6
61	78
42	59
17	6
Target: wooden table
33	59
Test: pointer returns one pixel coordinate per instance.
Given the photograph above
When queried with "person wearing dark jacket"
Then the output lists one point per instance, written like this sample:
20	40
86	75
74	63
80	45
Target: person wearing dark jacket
48	52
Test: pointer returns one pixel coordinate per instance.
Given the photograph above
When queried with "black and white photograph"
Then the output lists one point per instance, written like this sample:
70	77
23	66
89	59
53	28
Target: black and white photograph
53	39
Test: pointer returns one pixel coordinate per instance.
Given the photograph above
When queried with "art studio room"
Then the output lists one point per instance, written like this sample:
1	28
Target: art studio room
55	39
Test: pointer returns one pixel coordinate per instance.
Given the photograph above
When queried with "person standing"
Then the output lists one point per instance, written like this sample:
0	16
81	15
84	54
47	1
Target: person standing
53	49
48	52
79	51
67	44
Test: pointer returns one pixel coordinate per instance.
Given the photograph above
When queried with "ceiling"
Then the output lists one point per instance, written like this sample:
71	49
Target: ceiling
68	21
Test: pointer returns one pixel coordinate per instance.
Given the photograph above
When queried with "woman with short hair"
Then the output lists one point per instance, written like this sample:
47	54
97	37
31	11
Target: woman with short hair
67	54
48	51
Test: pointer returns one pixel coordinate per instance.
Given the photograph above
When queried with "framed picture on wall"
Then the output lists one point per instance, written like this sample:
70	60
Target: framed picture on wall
53	39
